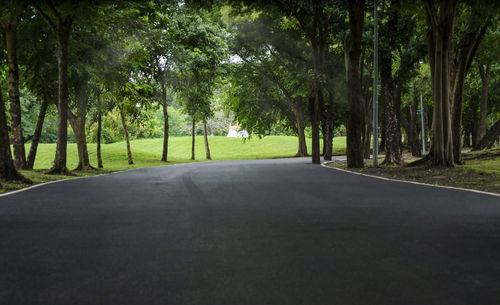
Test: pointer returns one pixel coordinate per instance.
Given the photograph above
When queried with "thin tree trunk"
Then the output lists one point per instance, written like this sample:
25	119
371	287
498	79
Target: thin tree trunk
483	108
99	130
328	143
490	137
7	169
299	118
164	155
15	103
313	111
38	133
127	138
63	33
193	136
207	148
354	94
413	140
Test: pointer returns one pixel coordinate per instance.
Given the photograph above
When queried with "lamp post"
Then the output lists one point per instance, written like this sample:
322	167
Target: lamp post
375	84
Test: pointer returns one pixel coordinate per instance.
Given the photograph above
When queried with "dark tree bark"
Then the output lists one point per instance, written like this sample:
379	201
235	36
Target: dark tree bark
328	133
298	112
390	94
127	138
490	137
352	50
99	129
164	155
439	41
413	140
314	124
7	169
61	27
193	134
205	137
10	28
38	133
483	108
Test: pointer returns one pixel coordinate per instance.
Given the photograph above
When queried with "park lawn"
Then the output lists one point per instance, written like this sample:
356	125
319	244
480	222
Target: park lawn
147	153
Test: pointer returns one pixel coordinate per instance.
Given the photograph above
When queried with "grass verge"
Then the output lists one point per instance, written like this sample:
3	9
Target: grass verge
481	171
147	153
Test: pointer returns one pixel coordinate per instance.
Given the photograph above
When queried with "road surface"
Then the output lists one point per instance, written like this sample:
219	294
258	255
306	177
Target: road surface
248	232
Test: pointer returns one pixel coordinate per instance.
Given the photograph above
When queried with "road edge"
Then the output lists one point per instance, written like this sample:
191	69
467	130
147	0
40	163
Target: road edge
325	165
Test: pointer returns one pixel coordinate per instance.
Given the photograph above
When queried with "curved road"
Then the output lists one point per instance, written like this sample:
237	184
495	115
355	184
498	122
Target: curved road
248	232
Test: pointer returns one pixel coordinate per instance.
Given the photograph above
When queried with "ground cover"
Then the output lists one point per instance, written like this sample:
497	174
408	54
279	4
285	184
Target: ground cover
147	153
481	171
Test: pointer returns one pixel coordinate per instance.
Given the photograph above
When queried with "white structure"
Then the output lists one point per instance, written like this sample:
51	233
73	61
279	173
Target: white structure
235	132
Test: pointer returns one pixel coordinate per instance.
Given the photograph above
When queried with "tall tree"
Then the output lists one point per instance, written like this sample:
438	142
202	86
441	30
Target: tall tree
60	20
11	17
441	23
352	52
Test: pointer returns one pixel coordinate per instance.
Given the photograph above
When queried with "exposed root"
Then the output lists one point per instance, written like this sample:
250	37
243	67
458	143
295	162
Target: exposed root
59	171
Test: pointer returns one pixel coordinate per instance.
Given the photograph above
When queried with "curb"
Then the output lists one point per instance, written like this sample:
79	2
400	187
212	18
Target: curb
325	165
52	182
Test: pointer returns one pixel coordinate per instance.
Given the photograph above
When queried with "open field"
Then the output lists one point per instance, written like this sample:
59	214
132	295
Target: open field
147	153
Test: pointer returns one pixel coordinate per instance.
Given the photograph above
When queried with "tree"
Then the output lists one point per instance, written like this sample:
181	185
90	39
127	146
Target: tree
60	21
352	51
275	50
10	25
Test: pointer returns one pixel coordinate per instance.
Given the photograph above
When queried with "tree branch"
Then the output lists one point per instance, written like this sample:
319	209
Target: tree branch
46	17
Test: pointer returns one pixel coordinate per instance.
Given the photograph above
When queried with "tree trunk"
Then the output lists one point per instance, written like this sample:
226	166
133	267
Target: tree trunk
63	33
127	138
38	133
315	154
165	121
489	139
352	52
193	136
390	94
7	169
328	142
483	108
439	41
299	118
78	126
413	140
205	136
99	130
15	103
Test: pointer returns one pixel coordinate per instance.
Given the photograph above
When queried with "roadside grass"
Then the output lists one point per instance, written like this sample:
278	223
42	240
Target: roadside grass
147	153
481	171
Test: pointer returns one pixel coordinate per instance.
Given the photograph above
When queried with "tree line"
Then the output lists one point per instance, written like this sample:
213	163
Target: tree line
303	67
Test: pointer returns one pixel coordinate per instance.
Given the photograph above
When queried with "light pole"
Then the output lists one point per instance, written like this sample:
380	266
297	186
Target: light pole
375	84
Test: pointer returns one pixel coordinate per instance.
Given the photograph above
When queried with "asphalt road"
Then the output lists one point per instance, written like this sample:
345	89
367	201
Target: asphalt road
248	232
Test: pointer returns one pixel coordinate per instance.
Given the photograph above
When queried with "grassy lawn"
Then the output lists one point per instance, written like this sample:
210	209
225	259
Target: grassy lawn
147	152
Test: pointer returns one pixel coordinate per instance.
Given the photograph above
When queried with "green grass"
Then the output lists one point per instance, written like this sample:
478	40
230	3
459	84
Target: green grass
147	153
486	161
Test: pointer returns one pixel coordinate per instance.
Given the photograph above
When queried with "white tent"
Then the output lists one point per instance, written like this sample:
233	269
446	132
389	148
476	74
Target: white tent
235	132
